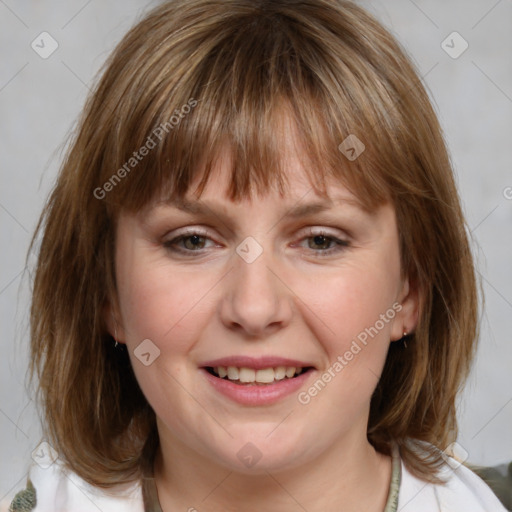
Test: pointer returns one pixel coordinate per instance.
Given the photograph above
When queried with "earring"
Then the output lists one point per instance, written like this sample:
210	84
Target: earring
404	336
115	331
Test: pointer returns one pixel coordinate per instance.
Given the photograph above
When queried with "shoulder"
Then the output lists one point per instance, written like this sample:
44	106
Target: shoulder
463	491
55	488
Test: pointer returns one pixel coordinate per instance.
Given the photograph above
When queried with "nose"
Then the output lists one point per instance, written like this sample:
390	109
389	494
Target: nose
256	301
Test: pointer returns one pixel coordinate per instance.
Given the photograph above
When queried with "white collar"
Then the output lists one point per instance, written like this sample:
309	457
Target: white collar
464	491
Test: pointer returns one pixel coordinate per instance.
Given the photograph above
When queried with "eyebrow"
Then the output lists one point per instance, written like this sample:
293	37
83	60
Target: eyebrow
301	210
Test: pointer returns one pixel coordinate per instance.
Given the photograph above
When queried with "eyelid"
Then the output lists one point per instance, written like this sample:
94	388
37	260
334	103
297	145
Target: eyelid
335	233
323	230
189	230
310	230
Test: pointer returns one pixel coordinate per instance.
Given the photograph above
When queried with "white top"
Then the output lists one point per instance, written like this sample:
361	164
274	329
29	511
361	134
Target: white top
463	492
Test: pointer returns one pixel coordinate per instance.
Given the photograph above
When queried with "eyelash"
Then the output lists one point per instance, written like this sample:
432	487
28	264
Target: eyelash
340	245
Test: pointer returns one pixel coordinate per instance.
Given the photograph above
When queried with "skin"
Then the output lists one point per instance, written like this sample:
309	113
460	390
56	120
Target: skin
290	302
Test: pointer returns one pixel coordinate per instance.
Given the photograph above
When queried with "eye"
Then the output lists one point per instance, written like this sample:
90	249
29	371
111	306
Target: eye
324	243
192	241
319	242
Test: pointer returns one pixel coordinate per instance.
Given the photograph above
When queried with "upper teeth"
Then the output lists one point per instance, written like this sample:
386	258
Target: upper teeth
265	375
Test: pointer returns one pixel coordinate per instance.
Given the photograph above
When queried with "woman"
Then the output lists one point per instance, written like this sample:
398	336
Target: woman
254	288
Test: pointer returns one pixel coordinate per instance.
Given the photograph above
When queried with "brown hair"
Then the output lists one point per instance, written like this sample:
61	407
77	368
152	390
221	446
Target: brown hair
190	76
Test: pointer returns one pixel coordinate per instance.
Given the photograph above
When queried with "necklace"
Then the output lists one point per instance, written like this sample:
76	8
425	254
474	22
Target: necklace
151	503
396	477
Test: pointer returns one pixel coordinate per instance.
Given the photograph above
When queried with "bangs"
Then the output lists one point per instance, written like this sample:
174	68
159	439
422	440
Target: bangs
233	83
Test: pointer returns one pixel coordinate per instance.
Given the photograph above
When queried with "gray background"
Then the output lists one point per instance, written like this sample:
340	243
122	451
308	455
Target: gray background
41	98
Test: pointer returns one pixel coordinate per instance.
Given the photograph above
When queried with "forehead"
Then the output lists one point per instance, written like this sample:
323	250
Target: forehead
283	164
307	190
299	199
300	196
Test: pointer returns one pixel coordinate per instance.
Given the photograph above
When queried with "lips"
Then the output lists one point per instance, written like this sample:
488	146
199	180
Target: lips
256	393
270	373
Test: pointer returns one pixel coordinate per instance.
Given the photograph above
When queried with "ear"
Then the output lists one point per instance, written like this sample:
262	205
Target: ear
406	319
113	322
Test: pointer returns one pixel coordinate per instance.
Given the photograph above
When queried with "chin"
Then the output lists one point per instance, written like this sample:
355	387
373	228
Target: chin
258	455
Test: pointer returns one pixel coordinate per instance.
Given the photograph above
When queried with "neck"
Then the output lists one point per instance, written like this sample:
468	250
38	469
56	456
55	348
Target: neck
350	476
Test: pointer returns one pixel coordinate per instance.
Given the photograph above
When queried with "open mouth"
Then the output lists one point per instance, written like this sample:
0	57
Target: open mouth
250	376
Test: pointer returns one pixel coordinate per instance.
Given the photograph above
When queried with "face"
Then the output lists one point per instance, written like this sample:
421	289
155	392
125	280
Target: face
256	288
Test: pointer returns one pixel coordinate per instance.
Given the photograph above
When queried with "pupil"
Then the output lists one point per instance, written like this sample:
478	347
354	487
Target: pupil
320	240
194	240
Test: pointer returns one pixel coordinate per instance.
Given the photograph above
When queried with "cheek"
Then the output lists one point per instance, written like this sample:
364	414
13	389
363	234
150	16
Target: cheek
354	338
161	304
355	304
